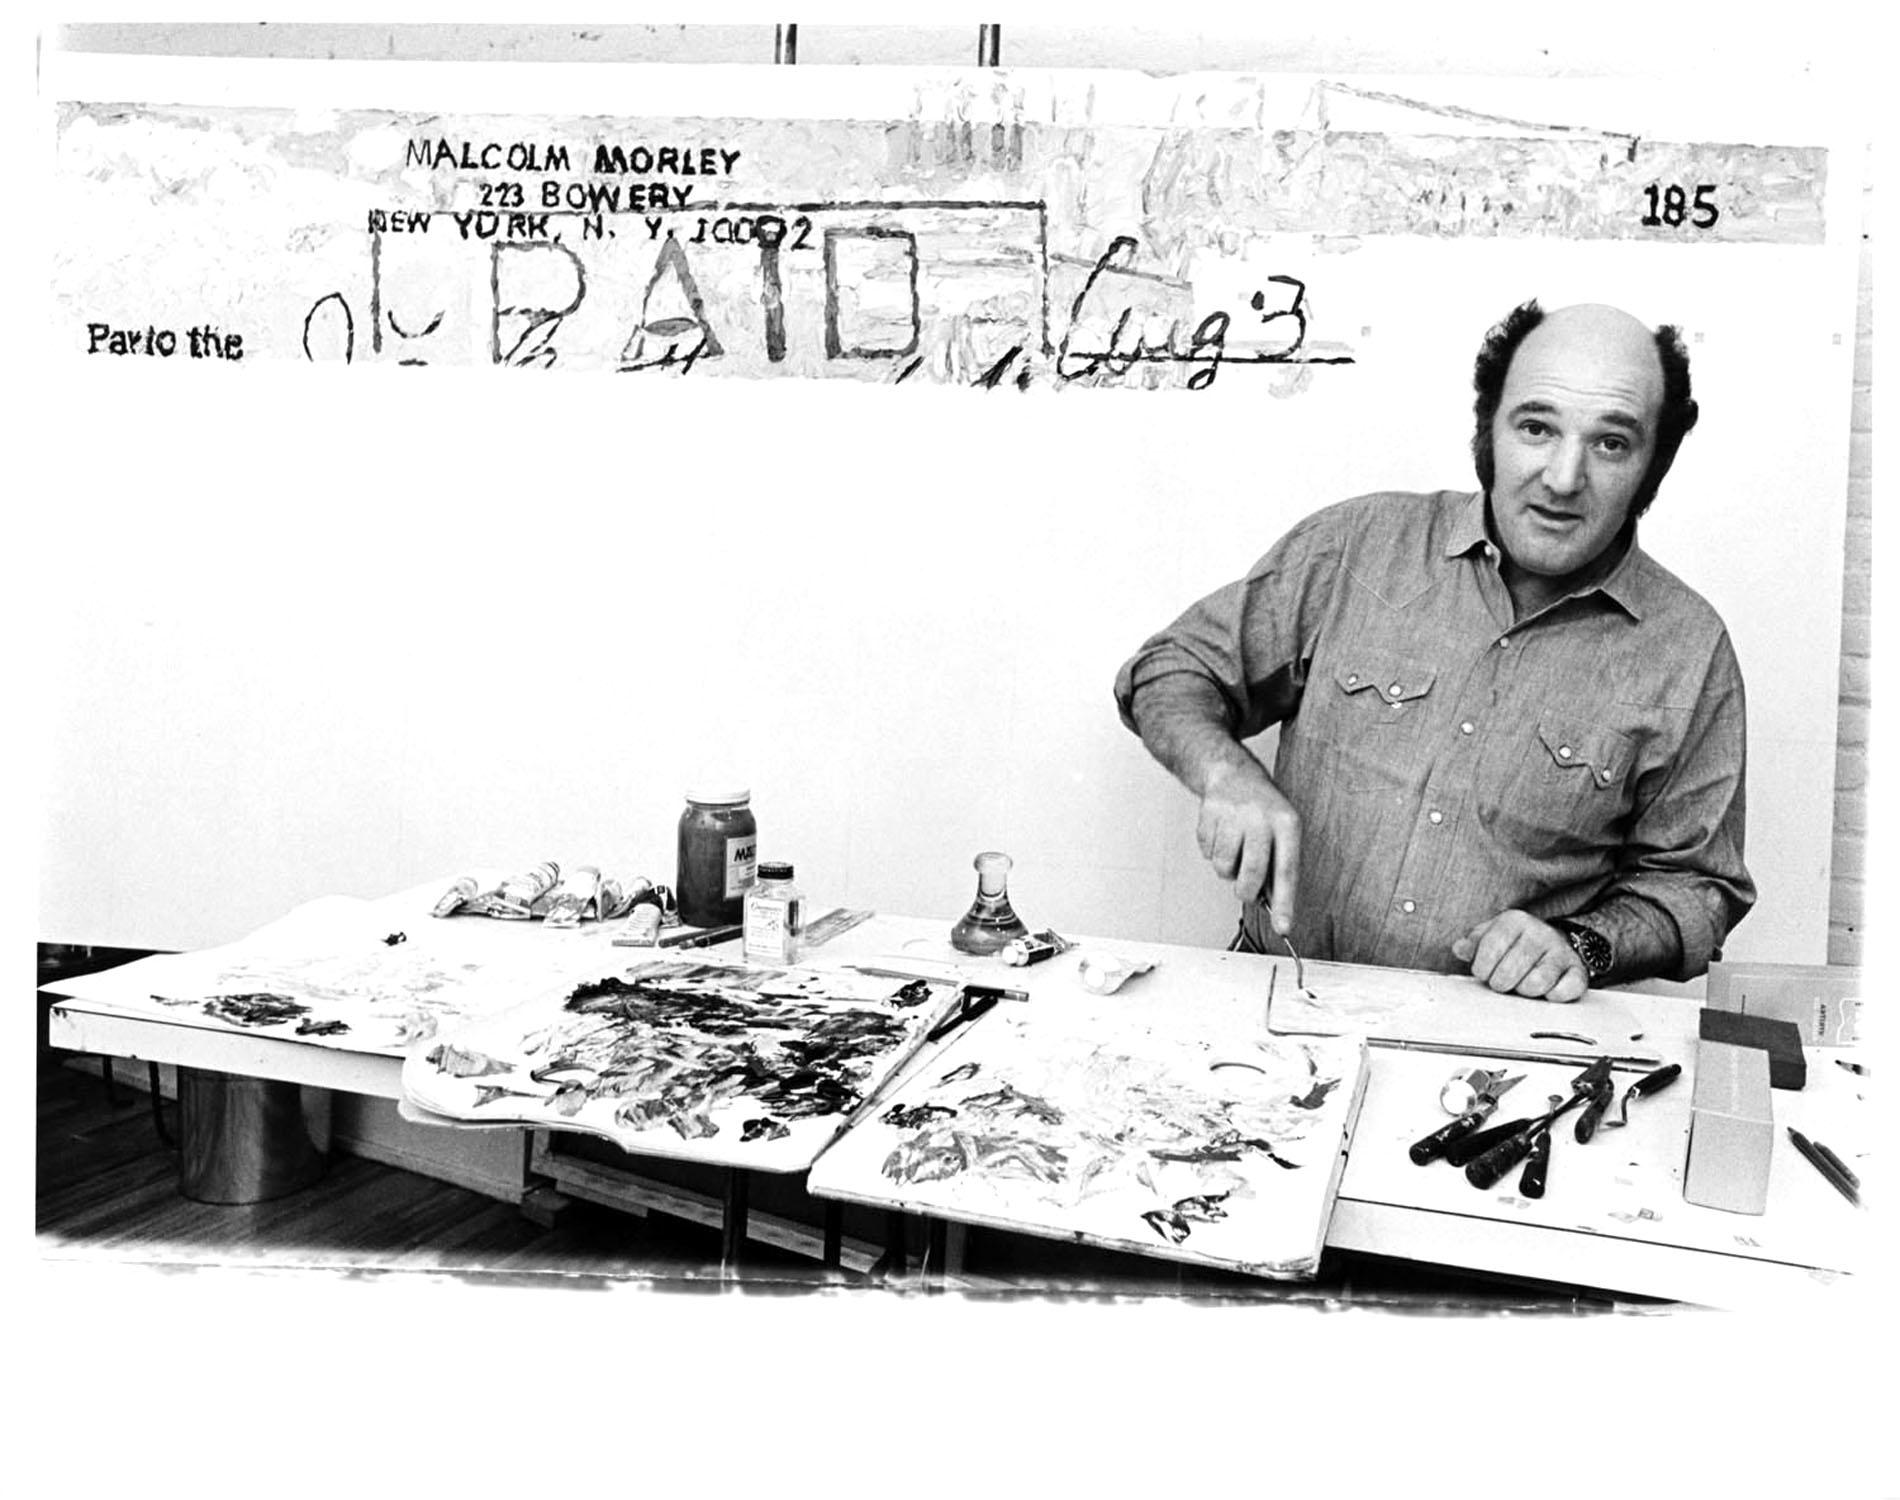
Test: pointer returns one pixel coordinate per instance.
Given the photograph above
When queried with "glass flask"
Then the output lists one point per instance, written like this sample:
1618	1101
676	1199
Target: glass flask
991	922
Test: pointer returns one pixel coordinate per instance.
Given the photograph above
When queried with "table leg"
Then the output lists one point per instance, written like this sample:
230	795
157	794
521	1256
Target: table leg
956	1246
894	1257
834	1235
732	1224
165	1137
936	1248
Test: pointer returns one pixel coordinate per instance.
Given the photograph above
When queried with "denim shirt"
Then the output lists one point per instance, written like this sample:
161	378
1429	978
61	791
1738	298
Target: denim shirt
1450	762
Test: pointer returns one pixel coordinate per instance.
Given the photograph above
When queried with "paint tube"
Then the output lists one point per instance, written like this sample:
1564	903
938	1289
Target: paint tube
1035	948
616	900
1105	973
515	897
572	899
461	894
641	929
609	896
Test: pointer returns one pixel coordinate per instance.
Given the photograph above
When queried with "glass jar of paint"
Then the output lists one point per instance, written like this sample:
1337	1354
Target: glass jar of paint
718	856
774	916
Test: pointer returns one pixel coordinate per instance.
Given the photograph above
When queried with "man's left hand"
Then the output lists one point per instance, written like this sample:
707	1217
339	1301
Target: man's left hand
1516	953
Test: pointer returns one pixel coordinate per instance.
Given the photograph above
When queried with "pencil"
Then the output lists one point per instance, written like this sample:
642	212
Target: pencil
1806	1148
1837	1164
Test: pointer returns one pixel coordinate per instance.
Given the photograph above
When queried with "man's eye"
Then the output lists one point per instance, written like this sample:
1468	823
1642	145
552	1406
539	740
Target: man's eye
1615	447
1532	428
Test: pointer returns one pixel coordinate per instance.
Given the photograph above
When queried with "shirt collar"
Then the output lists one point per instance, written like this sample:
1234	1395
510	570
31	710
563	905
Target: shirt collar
1626	585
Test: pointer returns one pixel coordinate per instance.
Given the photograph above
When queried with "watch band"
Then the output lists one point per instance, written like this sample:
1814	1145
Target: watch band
1591	946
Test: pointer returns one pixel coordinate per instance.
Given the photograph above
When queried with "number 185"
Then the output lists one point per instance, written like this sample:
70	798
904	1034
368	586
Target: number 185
1672	205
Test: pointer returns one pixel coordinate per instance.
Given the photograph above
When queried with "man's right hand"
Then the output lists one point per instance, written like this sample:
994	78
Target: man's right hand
1248	832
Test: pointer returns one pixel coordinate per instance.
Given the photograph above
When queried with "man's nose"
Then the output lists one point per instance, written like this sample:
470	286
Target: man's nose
1563	475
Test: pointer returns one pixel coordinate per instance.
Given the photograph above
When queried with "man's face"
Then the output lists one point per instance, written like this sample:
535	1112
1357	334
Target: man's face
1571	441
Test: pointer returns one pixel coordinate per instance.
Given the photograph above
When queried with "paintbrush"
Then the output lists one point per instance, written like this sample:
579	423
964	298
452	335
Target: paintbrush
1622	1062
701	939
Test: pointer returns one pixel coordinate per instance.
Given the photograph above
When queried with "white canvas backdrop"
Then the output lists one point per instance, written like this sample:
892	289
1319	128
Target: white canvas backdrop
340	629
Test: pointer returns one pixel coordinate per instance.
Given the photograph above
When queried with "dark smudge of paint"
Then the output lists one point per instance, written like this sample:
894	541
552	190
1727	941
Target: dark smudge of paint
1006	1098
917	1114
257	1009
682	1039
464	1062
1174	1223
1316	1096
486	1093
914	993
1227	1146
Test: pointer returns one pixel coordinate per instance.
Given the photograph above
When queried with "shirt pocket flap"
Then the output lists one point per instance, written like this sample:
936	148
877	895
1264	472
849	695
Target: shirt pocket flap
1391	679
1602	753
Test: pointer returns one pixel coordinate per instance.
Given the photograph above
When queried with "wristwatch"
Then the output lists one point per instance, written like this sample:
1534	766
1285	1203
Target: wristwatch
1591	946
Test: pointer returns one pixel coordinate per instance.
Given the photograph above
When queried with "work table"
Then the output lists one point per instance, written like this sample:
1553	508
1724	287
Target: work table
1613	1218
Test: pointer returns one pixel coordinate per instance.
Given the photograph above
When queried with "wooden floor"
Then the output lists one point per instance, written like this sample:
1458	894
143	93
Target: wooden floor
107	1188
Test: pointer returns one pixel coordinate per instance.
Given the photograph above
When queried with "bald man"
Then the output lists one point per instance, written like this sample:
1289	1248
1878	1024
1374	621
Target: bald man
1511	742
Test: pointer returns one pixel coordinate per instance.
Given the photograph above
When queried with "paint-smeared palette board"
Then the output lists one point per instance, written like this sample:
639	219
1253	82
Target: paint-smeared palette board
378	976
1100	1125
686	1058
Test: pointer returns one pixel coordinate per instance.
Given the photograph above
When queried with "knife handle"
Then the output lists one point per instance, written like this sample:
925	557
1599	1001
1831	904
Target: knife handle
1488	1168
1434	1145
1655	1083
1536	1167
1473	1146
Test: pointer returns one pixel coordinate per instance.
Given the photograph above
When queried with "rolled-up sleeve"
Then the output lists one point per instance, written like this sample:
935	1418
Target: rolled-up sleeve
1251	638
1684	848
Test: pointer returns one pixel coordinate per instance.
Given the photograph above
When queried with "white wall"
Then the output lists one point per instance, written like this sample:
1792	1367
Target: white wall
342	630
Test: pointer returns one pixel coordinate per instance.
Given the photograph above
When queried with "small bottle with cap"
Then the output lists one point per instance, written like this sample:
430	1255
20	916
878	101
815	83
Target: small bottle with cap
774	916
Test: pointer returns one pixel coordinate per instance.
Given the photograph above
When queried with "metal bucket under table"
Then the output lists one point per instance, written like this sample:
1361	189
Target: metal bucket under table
247	1140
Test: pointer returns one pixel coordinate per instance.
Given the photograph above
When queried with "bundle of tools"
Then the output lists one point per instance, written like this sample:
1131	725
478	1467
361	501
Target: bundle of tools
1487	1154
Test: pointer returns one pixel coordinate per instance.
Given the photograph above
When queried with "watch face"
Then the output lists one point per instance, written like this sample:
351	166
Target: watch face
1593	948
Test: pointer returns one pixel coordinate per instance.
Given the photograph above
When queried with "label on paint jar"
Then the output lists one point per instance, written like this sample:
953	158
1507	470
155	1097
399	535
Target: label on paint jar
742	864
772	929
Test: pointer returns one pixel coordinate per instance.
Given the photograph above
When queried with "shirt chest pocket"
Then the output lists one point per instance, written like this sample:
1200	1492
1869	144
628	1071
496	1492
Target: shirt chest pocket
1377	703
1569	789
